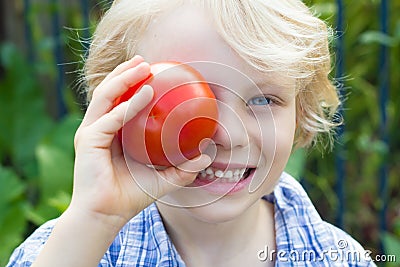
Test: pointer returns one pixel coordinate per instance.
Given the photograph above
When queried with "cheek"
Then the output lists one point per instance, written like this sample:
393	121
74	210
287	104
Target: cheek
285	126
274	142
274	131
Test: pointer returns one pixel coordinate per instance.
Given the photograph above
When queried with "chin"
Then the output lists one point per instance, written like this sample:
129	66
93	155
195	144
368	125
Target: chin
206	206
221	211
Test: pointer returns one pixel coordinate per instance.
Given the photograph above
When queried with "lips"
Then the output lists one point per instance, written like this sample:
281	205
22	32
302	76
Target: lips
224	181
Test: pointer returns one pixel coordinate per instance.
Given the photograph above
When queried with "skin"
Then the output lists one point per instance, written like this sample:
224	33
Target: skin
202	234
105	196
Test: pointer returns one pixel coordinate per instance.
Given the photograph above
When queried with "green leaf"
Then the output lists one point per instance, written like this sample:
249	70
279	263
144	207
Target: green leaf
12	218
60	201
369	37
296	164
55	177
11	230
55	170
62	135
391	245
11	187
55	156
324	9
23	120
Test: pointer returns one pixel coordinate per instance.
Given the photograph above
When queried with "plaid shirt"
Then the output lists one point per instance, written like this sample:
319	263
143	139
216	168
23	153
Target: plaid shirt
302	238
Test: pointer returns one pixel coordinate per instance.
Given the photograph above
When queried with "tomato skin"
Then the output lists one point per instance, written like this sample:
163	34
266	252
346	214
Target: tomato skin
183	112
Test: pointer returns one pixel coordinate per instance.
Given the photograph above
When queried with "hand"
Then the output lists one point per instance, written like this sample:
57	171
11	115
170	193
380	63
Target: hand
103	184
105	194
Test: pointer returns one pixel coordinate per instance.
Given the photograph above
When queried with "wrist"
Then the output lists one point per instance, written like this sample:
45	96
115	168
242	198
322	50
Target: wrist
102	224
79	238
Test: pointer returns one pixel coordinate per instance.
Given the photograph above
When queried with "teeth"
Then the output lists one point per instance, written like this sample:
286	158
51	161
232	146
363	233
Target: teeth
209	171
219	174
228	174
233	175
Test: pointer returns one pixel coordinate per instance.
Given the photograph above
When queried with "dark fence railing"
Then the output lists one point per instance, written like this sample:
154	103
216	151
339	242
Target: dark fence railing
339	160
59	58
384	84
384	81
28	31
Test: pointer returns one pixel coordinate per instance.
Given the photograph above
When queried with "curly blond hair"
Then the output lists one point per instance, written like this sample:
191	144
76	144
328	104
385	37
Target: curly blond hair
270	35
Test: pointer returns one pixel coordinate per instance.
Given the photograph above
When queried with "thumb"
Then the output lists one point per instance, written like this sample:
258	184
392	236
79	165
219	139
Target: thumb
173	178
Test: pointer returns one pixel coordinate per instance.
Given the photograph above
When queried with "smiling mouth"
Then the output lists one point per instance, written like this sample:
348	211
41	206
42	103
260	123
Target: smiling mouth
227	176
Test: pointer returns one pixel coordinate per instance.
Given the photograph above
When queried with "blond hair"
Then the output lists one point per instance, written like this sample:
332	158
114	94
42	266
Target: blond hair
270	35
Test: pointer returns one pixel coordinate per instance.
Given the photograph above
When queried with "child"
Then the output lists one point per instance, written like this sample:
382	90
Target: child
267	63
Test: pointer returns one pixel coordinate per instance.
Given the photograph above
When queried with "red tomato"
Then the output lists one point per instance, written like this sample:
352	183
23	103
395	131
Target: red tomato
182	113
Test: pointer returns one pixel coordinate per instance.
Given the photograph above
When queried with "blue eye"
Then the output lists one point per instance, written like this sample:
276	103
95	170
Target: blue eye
260	101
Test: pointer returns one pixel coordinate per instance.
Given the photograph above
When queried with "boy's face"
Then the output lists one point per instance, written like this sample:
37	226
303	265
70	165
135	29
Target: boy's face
257	116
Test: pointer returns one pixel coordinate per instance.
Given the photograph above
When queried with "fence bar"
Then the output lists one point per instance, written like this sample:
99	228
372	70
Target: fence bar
340	68
28	31
59	57
86	24
384	85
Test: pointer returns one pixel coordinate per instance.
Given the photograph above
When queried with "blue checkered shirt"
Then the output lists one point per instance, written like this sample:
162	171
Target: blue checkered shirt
302	238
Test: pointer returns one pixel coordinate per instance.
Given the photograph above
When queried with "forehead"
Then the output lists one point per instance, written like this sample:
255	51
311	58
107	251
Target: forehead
184	34
188	34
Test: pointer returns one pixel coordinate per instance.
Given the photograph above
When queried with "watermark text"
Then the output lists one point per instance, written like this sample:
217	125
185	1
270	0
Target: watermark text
340	253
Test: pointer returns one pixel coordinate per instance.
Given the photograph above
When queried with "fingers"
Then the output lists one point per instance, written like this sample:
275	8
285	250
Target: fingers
114	85
156	184
175	177
136	60
108	125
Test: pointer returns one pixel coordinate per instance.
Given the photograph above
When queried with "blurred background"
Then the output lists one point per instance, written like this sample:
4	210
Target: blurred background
356	186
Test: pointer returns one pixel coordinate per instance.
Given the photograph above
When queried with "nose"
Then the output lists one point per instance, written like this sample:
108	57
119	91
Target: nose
231	130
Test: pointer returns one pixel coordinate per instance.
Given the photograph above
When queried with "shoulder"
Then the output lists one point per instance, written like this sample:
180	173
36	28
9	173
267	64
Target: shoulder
293	207
302	235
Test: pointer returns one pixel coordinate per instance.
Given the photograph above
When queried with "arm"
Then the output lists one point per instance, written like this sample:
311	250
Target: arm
105	195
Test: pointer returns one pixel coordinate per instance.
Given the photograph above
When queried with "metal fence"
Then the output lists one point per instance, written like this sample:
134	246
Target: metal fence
383	100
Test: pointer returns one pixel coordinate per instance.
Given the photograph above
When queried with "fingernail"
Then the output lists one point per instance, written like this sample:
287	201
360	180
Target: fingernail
146	87
205	160
143	66
136	57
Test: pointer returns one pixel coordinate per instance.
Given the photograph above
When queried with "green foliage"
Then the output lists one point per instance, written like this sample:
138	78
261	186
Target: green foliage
12	220
391	245
362	146
36	147
296	164
36	153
